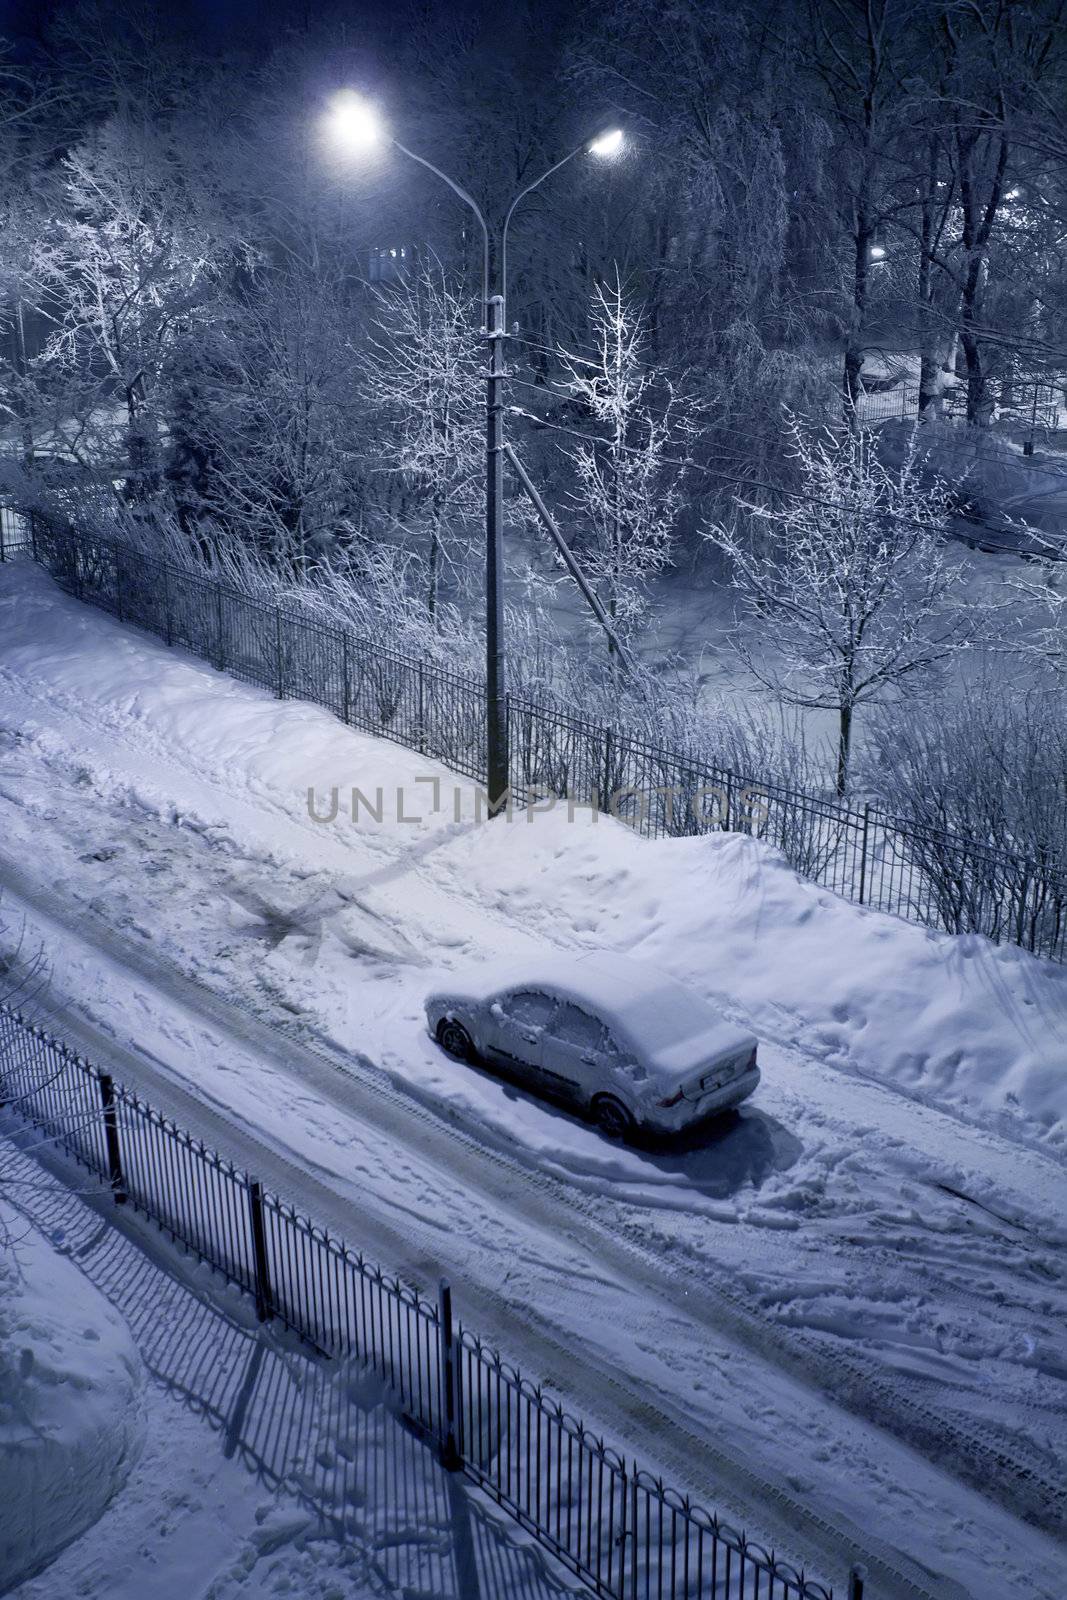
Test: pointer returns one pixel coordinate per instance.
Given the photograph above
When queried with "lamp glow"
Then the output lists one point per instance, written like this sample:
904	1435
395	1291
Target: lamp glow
607	144
351	122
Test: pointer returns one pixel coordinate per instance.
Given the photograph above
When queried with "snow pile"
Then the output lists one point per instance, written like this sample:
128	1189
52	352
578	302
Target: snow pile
952	1019
164	772
70	1402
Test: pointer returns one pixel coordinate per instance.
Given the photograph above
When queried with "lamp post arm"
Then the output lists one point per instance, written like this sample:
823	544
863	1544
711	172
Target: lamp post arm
530	187
457	188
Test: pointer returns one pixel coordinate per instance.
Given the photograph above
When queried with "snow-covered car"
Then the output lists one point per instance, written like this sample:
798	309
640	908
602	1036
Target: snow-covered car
628	1046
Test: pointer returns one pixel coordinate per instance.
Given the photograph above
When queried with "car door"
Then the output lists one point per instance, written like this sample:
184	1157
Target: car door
517	1023
572	1064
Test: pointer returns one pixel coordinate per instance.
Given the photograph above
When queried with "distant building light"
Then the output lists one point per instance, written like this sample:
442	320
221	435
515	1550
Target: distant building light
387	263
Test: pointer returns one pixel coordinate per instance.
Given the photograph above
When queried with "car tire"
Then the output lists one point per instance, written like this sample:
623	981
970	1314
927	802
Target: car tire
612	1117
454	1040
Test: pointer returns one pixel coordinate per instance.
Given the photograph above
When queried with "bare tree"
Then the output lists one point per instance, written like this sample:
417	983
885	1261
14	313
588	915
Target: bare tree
127	265
848	593
993	61
266	415
858	48
628	479
420	377
985	843
958	772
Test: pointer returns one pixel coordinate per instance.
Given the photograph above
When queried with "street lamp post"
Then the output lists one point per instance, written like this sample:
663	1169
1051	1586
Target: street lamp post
497	764
354	124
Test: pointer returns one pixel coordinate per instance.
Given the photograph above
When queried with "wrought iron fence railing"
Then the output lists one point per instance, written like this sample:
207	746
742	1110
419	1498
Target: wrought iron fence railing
1036	410
932	876
618	1528
14	532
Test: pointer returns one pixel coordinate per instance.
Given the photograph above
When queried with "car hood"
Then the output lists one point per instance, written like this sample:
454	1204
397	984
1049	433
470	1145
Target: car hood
460	993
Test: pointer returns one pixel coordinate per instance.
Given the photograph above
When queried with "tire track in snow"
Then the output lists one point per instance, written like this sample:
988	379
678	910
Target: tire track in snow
891	1572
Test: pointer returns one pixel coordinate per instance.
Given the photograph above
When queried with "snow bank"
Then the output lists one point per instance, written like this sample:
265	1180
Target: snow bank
953	1019
138	753
70	1402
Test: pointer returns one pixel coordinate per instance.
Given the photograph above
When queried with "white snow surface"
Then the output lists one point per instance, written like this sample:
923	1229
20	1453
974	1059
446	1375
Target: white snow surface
262	1471
892	1199
71	1413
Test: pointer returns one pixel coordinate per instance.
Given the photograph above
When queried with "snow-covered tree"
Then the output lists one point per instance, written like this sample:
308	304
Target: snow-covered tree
421	379
266	417
127	265
627	493
849	592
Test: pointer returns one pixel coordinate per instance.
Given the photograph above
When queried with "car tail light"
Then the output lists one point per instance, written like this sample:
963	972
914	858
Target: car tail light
674	1099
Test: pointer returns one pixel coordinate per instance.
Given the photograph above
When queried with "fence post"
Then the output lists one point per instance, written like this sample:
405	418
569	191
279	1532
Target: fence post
451	1459
609	755
218	623
863	854
857	1579
259	1251
118	583
422	709
346	692
168	626
33	534
279	669
1023	892
631	1543
111	1137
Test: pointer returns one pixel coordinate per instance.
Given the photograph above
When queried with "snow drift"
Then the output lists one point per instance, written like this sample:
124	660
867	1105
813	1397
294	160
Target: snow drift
71	1385
950	1018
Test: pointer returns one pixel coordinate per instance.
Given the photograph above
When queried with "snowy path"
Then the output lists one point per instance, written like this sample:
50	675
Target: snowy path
819	1237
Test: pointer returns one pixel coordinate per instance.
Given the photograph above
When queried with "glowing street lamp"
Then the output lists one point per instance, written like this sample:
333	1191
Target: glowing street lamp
608	143
353	125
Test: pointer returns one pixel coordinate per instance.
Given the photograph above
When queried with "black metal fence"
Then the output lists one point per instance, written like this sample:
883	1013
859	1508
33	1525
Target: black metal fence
938	878
14	532
618	1528
1035	409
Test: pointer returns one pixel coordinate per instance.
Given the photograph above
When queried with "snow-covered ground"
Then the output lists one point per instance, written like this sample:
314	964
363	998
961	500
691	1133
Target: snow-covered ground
71	1424
861	1278
260	1471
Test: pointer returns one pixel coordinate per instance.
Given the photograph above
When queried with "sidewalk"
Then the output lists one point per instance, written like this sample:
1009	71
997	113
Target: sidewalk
265	1471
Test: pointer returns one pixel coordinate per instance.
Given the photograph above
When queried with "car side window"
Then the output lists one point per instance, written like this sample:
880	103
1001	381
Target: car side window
577	1027
527	1007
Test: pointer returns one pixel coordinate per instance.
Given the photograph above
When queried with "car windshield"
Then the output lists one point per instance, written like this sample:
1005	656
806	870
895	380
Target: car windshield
528	1007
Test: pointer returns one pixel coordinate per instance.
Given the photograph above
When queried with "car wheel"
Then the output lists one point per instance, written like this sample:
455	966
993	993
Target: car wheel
455	1040
612	1117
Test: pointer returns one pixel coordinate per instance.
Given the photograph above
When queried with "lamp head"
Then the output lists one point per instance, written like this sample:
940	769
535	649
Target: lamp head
351	123
608	143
